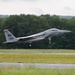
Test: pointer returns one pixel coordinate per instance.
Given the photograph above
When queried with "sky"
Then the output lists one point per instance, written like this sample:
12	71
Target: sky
37	7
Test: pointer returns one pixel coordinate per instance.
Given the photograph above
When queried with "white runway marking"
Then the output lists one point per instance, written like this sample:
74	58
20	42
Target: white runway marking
38	65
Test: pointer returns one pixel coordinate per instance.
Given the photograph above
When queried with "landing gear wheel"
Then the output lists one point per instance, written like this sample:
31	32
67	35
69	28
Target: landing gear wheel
30	44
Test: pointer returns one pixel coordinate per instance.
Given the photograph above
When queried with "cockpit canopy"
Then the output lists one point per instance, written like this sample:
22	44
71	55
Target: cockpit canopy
54	29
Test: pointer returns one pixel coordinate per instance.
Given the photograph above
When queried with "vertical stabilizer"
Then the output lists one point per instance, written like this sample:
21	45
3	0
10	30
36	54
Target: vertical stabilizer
9	36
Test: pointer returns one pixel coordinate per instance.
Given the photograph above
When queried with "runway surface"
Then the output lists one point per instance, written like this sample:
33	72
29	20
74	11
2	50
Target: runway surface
38	65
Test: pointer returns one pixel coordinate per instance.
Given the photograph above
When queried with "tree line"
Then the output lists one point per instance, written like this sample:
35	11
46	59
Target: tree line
24	25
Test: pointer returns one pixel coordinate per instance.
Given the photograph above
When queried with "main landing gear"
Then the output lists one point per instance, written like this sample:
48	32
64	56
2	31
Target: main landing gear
49	40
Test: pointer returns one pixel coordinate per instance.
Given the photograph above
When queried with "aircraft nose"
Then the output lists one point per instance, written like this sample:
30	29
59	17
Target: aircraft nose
66	31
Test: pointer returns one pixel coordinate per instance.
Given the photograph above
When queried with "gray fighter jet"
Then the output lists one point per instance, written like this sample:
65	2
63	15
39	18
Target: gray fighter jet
10	38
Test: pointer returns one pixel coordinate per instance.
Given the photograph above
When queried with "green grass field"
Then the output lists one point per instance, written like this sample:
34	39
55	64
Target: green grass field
35	71
37	56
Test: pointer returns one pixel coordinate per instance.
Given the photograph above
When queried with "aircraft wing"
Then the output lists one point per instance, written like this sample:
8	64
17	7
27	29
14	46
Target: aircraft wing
25	38
31	37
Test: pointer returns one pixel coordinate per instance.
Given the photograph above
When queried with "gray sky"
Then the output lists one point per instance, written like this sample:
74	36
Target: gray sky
37	7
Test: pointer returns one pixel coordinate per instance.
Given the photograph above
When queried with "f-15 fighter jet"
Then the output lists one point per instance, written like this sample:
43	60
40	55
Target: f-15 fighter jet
10	38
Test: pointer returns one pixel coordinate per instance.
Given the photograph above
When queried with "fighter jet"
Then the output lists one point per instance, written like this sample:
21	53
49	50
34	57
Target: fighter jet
10	38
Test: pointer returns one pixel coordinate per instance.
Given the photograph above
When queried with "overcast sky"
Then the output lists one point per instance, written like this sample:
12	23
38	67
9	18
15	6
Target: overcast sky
37	7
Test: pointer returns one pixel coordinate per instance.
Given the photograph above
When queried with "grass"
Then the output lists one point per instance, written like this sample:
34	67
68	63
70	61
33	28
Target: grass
38	56
35	71
27	58
28	51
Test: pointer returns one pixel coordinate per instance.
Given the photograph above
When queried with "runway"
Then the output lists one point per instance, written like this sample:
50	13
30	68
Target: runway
38	65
